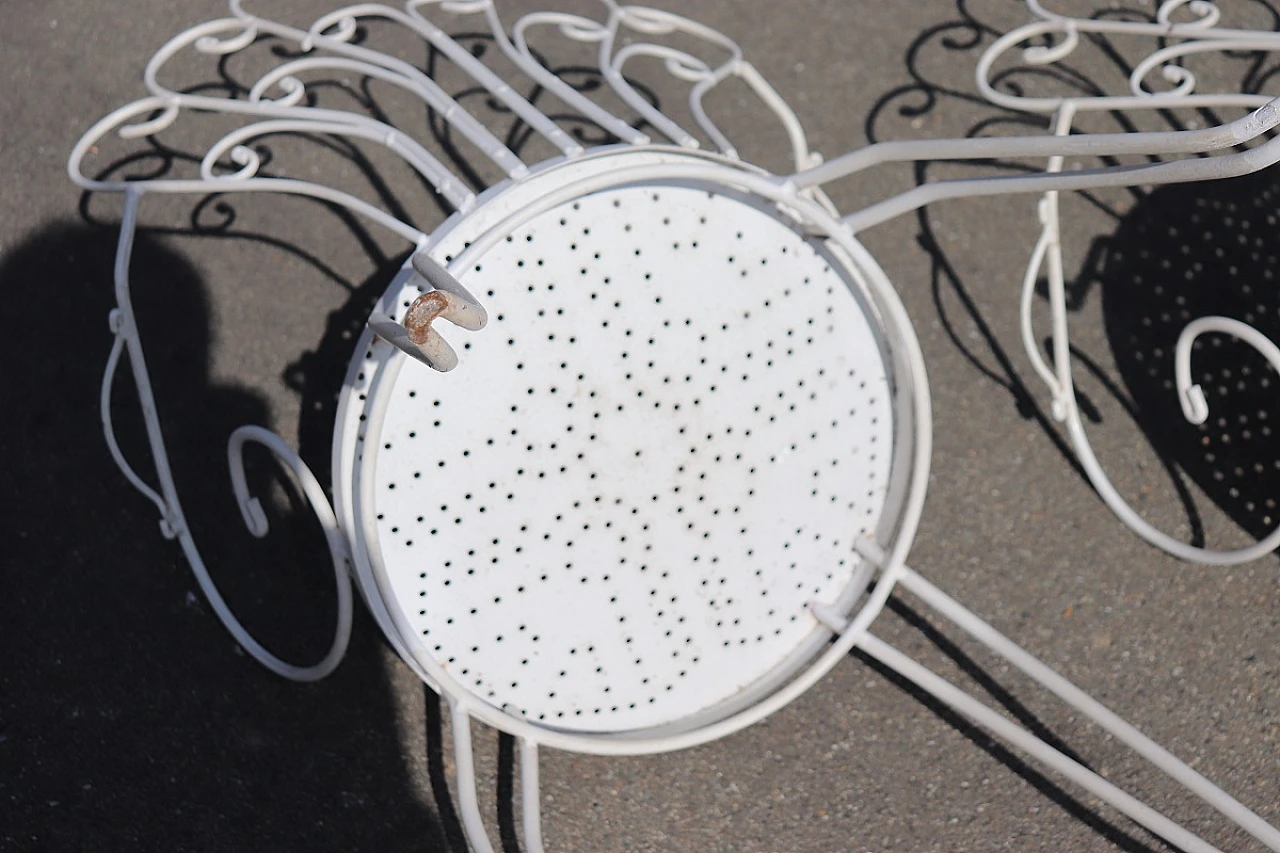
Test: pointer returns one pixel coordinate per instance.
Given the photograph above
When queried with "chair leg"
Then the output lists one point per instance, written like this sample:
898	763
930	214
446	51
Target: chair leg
464	761
531	801
1069	693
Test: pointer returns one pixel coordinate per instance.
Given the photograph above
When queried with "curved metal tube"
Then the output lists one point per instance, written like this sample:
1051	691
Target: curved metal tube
173	523
1181	171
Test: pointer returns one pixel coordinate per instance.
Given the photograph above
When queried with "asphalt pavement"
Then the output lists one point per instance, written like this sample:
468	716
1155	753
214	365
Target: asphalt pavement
129	720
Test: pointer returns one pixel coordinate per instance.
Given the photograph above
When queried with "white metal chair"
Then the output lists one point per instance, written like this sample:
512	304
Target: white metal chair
669	470
1192	29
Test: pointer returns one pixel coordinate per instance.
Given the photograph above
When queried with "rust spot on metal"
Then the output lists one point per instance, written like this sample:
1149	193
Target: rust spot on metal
427	307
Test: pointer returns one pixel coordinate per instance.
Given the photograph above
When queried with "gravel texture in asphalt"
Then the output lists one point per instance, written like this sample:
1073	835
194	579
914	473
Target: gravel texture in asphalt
130	720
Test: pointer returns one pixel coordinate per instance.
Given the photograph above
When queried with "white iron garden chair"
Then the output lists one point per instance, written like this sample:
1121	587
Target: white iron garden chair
667	470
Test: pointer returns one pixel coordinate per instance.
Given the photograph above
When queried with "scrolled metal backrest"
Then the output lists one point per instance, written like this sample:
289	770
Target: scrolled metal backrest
1177	29
278	102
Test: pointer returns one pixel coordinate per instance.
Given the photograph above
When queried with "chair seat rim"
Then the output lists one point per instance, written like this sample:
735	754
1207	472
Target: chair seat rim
376	366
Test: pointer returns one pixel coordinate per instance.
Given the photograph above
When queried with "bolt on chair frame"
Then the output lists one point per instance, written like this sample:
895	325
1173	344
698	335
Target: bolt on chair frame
401	334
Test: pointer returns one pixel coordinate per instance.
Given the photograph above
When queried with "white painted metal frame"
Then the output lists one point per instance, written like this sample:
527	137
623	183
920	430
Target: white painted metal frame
795	200
1194	27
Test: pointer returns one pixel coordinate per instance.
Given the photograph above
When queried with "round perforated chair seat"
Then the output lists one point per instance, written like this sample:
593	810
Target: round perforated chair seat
615	513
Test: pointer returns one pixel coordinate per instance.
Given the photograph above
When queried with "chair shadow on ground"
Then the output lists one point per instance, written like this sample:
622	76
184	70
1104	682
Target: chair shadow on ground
1182	253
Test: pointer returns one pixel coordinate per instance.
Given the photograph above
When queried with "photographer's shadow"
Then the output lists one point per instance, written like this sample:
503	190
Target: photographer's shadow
128	716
